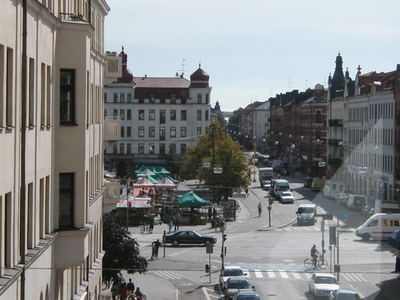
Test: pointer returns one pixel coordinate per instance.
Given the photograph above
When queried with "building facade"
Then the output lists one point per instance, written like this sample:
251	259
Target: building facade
160	117
51	144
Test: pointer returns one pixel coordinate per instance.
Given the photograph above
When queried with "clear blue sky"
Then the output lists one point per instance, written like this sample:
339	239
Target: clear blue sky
254	49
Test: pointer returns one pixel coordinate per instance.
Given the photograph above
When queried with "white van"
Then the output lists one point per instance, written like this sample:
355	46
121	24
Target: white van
379	226
306	214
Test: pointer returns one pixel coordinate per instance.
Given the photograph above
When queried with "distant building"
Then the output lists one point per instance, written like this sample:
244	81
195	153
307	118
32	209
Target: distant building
160	117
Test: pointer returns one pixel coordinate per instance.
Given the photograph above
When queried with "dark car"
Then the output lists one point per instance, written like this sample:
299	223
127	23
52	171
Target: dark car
188	237
235	284
246	295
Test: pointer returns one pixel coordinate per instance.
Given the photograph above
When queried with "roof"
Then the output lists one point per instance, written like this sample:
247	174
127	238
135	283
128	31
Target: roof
161	82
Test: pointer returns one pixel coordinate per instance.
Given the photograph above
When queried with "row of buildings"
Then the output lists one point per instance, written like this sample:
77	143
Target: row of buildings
347	131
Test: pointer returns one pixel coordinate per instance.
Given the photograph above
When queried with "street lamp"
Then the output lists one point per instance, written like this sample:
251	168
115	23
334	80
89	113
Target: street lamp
254	161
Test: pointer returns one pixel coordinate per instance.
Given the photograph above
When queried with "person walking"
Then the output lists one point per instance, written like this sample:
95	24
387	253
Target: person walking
314	255
123	292
138	293
259	206
177	220
130	286
157	245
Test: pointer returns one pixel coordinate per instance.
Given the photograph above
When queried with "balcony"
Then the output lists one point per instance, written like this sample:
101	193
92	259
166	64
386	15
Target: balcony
71	248
335	122
112	131
111	196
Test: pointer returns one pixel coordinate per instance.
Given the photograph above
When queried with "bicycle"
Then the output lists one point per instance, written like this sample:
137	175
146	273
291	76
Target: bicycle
311	263
223	227
238	208
144	228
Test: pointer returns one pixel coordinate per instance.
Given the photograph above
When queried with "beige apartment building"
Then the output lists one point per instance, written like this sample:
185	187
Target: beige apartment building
51	144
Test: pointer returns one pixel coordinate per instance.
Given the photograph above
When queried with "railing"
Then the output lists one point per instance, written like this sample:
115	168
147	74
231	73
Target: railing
72	17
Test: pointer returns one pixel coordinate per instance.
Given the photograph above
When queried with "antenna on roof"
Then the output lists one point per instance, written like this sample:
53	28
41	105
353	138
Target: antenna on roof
183	68
289	83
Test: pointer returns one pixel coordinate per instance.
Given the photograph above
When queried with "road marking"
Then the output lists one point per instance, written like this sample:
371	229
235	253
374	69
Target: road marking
271	274
258	273
296	275
283	274
168	274
246	272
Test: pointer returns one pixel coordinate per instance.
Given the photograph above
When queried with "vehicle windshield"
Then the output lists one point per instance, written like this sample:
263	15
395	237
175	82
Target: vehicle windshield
286	194
305	210
348	297
238	284
327	280
248	297
233	272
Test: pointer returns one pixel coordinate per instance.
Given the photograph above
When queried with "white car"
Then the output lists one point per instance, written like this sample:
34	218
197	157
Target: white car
322	284
229	271
342	294
286	197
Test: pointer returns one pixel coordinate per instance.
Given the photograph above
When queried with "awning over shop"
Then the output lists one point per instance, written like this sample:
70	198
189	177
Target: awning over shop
136	203
154	169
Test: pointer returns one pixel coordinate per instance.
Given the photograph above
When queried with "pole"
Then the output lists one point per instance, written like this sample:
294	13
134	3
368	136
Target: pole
209	263
322	241
254	163
337	258
222	251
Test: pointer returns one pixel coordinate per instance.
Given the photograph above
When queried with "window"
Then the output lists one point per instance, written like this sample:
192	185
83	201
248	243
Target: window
162	116
115	113
183	115
129	114
128	148
129	98
105	113
141	114
162	133
199	98
9	118
67	96
173	98
121	148
66	200
207	98
31	93
152	148
172	115
122	114
152	114
206	113
141	131
122	98
152	97
172	131
152	131
128	131
172	148
122	131
198	131
105	97
162	148
199	115
115	149
183	148
141	148
115	97
183	132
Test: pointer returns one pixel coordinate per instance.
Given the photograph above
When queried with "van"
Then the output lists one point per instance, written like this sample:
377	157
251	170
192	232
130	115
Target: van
278	186
306	214
379	226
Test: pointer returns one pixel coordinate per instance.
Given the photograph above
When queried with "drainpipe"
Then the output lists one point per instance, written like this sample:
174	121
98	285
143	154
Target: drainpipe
23	145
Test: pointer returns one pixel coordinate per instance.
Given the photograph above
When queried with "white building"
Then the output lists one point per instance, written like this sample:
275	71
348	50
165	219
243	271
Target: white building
370	136
51	145
160	117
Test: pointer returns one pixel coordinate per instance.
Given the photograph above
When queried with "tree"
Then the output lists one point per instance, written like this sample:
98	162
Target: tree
122	251
217	148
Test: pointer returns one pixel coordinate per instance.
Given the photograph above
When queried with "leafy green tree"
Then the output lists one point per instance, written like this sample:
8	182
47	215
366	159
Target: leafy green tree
217	148
122	251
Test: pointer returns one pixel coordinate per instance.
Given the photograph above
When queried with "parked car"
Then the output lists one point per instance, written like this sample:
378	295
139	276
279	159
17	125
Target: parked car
229	271
188	237
343	294
234	284
322	284
246	295
286	197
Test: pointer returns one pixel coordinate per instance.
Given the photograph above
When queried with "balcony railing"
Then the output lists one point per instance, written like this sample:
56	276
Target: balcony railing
73	17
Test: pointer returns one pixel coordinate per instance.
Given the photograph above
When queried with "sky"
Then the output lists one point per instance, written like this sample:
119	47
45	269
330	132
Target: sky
254	49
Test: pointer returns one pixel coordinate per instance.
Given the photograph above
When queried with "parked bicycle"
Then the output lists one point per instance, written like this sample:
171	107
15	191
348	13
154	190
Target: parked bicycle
238	208
318	261
144	228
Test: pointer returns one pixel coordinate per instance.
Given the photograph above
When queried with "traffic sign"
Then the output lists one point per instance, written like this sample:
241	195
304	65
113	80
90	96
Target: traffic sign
345	214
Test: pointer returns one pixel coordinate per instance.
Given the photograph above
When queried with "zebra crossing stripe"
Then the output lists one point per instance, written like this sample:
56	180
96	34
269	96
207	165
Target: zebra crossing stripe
283	274
258	273
271	274
296	275
308	275
168	275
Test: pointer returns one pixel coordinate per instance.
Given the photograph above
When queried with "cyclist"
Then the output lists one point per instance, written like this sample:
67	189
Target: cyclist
259	209
314	255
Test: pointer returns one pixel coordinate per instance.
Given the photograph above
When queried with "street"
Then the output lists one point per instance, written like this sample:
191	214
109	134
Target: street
272	256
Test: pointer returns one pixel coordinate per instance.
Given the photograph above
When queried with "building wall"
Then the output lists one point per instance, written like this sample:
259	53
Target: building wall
54	41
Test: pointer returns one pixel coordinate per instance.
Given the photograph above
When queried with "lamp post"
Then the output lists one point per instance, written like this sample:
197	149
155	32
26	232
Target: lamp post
254	161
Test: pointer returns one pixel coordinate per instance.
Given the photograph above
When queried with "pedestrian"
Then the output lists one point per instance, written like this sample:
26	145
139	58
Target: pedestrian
114	291
259	206
138	293
177	220
151	227
157	245
130	286
209	213
247	192
397	266
123	292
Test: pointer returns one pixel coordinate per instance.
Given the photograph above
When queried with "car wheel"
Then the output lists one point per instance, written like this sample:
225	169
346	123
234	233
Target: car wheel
366	237
175	243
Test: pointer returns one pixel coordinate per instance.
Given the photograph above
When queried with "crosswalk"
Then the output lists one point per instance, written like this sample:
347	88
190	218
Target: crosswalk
271	275
304	228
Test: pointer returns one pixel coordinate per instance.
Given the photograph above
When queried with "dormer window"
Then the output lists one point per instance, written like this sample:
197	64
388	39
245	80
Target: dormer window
173	98
152	98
